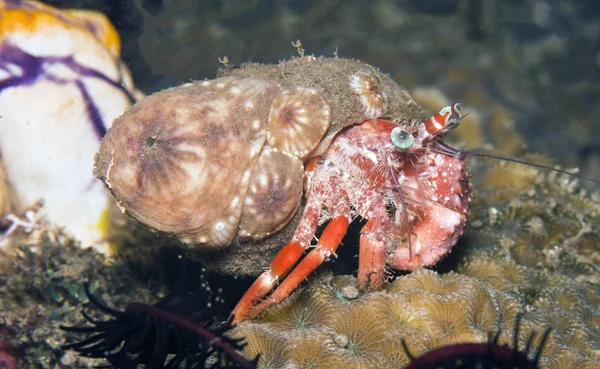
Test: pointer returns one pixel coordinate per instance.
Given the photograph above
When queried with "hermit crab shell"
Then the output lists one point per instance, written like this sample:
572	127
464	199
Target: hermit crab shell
355	91
194	161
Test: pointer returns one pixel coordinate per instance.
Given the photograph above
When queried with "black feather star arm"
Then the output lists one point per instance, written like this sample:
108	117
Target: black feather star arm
174	333
488	354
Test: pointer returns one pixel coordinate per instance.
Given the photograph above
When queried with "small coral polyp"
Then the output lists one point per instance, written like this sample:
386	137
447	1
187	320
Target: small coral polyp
374	100
215	161
297	120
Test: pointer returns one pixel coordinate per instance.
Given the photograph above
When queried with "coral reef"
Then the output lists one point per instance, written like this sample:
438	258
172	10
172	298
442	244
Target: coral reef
328	325
537	236
41	288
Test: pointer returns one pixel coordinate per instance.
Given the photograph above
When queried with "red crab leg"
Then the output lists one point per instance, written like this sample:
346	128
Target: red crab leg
373	236
372	253
287	257
280	266
330	240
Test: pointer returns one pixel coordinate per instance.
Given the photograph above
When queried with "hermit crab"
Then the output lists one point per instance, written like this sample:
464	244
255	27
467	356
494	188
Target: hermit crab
233	158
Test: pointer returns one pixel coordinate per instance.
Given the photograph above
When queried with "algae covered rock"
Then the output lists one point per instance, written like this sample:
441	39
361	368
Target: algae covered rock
42	288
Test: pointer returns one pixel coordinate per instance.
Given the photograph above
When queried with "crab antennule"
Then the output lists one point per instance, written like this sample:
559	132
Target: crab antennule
534	165
447	150
450	116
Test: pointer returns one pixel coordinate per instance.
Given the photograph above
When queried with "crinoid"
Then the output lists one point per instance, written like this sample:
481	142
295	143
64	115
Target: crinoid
488	354
178	330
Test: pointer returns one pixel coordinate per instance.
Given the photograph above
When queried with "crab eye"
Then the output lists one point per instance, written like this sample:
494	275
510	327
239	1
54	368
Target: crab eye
402	139
457	111
455	117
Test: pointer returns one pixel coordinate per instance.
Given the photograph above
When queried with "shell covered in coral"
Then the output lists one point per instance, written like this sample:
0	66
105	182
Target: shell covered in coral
214	161
62	84
355	91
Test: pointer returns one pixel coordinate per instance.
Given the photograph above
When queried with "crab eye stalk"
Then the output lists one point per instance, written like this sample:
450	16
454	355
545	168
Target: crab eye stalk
456	116
402	140
447	119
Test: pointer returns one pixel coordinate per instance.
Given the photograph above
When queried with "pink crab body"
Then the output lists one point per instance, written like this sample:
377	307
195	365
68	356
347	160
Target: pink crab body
415	201
376	176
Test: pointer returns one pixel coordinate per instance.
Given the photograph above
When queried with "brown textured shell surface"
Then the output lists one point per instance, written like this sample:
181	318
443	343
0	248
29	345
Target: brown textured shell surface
181	160
356	91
